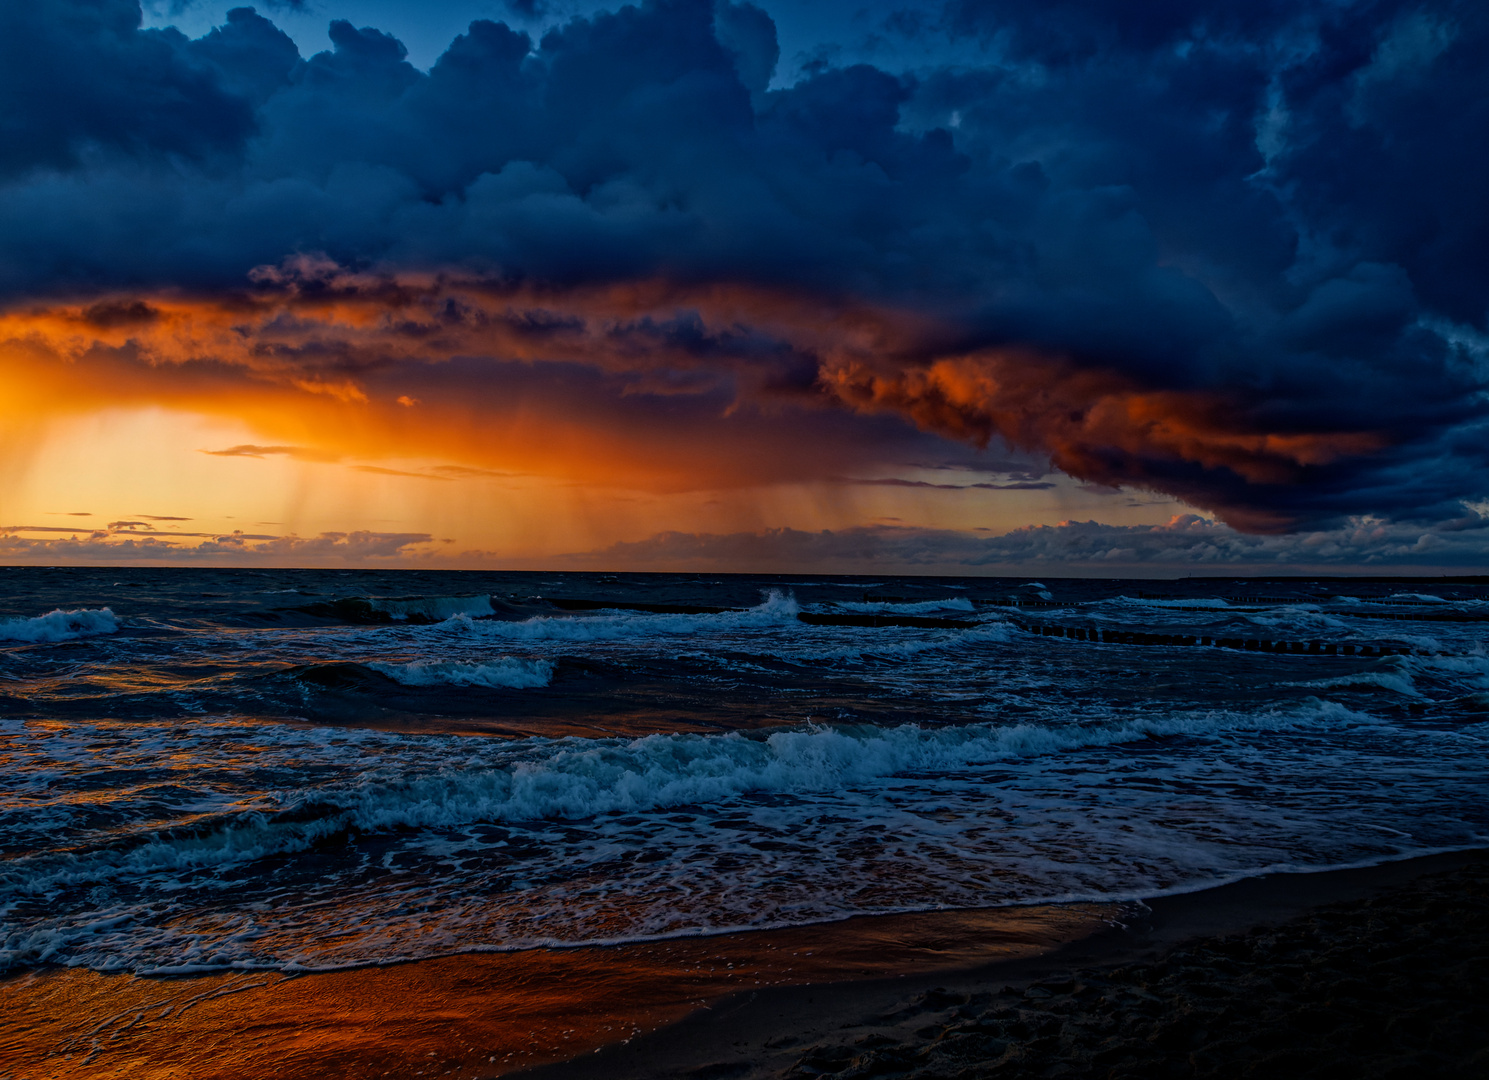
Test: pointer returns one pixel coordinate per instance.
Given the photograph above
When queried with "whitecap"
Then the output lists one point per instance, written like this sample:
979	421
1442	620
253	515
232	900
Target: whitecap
1182	602
507	672
778	609
951	603
60	625
1382	680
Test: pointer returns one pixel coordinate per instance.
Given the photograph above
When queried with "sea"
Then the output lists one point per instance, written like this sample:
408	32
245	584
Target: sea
207	770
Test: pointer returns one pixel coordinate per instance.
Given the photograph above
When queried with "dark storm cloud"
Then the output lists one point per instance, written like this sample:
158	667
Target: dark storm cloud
1251	224
526	9
79	76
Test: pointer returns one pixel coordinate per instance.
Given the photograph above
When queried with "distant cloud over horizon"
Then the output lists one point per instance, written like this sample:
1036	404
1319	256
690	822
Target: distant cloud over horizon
1187	544
122	545
1231	252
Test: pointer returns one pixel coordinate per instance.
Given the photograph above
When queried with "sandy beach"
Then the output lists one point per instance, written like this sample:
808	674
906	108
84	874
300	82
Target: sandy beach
1376	971
478	1014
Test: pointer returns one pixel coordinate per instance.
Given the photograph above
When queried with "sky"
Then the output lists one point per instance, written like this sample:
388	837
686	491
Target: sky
958	286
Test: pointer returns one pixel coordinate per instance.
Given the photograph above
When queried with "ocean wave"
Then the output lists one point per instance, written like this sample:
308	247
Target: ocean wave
1465	669
1396	682
432	608
575	779
808	651
437	851
1300	619
921	607
778	609
1198	602
60	625
416	609
507	672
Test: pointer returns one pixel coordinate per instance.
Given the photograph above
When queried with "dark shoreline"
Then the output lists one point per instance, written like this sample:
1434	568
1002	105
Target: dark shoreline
1376	971
931	995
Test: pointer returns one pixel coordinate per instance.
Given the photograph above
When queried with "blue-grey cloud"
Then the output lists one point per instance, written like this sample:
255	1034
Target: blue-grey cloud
1275	209
1188	544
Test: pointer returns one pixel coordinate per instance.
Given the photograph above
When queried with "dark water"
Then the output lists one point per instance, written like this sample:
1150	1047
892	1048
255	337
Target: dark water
307	769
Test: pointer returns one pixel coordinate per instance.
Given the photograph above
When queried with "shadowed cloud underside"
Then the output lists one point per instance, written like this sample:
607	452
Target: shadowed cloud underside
1230	253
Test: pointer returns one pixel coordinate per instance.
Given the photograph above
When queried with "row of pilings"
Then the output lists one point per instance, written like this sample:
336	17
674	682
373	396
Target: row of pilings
1132	637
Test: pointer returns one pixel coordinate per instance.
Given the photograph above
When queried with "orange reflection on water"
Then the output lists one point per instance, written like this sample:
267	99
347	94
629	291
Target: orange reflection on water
474	1015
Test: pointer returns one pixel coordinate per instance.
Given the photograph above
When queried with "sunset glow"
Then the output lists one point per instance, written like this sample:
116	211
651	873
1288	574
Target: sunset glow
591	278
328	402
743	538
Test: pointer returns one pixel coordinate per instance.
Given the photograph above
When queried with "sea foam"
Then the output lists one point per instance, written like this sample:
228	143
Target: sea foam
576	778
507	672
922	607
777	609
60	625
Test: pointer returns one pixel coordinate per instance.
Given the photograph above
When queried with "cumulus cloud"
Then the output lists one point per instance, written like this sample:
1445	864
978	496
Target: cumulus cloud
1229	251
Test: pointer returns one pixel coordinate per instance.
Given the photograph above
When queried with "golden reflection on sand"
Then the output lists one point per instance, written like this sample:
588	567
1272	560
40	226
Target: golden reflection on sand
474	1015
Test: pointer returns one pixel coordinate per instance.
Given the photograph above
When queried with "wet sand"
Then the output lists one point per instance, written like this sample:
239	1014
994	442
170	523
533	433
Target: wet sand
1263	978
473	1015
1378	972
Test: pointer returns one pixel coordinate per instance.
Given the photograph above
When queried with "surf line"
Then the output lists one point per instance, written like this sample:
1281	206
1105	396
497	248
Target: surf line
1074	633
811	618
1302	648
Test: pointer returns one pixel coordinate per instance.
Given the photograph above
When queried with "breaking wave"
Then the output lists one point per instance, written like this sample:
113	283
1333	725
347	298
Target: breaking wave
954	603
1380	680
777	609
60	625
575	779
507	672
1181	602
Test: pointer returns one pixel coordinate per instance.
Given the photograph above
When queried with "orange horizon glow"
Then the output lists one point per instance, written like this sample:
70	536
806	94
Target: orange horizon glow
573	401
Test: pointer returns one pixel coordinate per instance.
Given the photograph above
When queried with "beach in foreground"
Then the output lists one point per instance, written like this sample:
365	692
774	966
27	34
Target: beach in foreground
1376	971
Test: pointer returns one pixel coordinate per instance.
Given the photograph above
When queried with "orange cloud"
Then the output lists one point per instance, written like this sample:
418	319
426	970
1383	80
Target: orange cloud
1096	426
651	385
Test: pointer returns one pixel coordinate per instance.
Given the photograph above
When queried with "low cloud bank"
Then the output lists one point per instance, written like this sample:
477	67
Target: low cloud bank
131	546
1188	544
